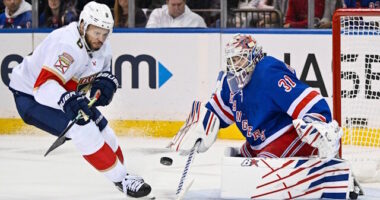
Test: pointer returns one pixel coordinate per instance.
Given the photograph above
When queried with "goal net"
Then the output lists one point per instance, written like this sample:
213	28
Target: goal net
356	88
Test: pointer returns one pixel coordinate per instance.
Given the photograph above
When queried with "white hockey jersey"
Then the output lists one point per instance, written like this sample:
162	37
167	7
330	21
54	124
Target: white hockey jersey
60	63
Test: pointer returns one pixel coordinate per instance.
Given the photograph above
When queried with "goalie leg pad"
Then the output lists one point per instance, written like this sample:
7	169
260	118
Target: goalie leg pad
202	124
284	178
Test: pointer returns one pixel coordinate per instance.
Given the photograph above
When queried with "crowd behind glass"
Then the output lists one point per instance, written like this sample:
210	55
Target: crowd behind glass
183	13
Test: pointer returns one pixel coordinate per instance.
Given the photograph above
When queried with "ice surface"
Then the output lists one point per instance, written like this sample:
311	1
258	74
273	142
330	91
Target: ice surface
64	174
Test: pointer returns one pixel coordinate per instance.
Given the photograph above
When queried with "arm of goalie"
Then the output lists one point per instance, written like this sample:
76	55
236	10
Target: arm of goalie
201	124
319	134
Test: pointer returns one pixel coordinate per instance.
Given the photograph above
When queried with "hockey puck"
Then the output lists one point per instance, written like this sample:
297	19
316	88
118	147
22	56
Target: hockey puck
166	161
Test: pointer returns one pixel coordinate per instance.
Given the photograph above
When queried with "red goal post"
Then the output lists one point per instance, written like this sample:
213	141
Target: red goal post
336	56
356	88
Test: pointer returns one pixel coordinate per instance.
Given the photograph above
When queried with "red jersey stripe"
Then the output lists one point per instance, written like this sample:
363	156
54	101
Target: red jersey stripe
303	103
48	74
227	114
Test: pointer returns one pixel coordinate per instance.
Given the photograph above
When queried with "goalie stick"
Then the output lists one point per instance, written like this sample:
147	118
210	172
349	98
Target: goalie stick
180	190
180	193
61	138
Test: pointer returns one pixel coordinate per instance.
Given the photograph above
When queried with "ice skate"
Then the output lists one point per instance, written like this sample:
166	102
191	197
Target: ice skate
134	186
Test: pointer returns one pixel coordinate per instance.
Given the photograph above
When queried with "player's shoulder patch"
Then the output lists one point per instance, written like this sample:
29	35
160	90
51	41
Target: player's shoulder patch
64	61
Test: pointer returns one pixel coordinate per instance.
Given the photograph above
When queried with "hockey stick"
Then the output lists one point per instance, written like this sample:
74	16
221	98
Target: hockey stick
61	138
180	193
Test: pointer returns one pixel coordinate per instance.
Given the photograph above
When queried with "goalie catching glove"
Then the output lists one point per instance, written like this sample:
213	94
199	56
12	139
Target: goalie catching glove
314	131
201	124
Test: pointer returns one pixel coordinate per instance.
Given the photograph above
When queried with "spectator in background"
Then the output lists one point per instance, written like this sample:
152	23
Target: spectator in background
81	3
57	14
330	7
296	16
1	6
150	4
120	11
361	4
282	6
18	14
209	16
174	14
256	18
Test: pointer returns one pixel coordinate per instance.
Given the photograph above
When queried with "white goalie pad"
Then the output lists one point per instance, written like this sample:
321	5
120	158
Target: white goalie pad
202	124
285	178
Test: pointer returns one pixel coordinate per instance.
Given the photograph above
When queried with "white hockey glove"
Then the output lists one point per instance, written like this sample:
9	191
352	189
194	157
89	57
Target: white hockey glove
201	124
319	134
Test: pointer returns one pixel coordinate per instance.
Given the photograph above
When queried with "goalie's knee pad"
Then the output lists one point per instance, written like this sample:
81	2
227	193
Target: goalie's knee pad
284	178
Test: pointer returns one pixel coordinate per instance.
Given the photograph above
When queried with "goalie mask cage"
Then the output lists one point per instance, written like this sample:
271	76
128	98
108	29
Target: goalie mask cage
356	88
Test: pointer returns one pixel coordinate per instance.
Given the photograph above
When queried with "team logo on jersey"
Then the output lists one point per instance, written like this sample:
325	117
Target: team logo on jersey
84	83
64	61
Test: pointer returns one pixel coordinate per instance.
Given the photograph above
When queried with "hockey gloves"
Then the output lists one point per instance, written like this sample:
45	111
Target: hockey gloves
98	118
319	134
201	124
72	103
107	84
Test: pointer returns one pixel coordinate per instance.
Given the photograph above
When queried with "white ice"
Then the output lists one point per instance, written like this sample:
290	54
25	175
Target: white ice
64	174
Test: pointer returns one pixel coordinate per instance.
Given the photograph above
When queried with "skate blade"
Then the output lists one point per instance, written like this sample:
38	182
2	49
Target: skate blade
149	197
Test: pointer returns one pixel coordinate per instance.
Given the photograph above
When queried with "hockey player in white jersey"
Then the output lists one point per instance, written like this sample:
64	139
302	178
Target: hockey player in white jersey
49	88
279	116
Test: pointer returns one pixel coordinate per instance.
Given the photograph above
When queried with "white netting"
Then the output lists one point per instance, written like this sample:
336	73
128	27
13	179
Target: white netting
360	93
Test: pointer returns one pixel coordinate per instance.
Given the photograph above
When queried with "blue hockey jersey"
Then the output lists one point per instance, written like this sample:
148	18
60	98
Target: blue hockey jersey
266	106
22	18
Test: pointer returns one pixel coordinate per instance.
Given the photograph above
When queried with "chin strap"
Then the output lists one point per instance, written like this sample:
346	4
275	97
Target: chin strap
83	39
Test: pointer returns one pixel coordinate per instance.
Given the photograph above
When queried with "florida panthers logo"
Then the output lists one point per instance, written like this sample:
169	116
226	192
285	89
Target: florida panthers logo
64	61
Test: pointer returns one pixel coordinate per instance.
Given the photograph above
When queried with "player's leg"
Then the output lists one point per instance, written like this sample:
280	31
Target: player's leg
87	139
111	139
51	120
91	144
287	145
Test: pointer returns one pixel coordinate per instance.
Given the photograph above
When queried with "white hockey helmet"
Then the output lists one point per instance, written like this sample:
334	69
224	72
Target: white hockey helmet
96	14
242	53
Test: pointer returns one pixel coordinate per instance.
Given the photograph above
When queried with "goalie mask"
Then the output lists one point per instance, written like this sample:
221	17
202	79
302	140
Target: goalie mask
242	54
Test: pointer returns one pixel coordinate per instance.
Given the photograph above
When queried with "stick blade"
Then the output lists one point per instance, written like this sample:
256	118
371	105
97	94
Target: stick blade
58	142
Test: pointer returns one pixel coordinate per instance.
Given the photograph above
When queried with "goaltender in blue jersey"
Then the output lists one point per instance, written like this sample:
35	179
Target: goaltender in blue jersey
264	109
280	117
266	100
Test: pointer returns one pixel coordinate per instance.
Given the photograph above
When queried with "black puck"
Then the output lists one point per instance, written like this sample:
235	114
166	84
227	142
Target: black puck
166	161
